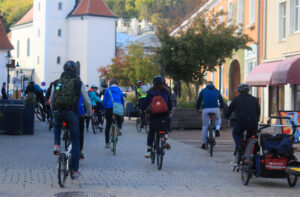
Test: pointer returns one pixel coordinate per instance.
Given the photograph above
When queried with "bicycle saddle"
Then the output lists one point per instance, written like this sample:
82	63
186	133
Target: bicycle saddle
211	114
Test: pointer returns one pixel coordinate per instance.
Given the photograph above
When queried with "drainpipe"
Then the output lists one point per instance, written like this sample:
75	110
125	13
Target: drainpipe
257	55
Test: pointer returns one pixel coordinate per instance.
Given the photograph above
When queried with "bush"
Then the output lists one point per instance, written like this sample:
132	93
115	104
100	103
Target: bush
183	101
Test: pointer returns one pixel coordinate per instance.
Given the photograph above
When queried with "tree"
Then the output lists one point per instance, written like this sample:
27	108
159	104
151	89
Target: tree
127	69
200	48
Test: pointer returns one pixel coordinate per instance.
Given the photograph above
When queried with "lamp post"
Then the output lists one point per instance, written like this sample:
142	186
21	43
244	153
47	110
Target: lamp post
8	63
17	71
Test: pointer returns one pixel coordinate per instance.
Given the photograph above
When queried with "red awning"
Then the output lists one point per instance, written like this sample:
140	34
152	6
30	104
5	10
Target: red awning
287	71
262	74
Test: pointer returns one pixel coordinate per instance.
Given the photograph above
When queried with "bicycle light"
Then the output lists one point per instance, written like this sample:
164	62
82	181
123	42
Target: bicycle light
64	124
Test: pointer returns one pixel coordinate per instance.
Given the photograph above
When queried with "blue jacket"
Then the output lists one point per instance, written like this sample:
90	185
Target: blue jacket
81	110
210	97
153	92
117	96
93	97
37	88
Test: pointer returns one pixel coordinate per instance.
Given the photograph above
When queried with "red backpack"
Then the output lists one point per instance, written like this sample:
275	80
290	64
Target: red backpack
158	105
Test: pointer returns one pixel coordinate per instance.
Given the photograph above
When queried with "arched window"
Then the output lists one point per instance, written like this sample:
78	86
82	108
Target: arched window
18	49
60	6
58	60
28	47
59	33
39	6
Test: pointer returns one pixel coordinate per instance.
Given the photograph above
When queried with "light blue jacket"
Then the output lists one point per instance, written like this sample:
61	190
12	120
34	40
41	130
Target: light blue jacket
94	98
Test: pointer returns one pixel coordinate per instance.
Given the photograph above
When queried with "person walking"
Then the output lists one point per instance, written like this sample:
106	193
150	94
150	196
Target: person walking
211	101
112	94
64	102
3	91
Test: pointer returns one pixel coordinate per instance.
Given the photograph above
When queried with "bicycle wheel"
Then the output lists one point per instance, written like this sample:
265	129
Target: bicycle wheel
147	127
153	149
292	180
246	170
138	124
39	111
62	170
160	152
115	139
210	140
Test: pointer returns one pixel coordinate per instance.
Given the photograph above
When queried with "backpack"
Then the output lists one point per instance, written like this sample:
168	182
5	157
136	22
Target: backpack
158	105
64	96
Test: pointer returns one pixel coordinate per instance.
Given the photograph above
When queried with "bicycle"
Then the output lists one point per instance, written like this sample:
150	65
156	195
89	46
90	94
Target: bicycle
114	134
139	122
39	111
211	141
64	167
97	124
159	144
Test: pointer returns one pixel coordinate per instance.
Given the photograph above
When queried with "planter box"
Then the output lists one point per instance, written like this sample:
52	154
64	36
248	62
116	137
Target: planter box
189	118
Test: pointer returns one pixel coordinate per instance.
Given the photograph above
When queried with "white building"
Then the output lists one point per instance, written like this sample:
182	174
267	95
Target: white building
55	31
134	27
5	45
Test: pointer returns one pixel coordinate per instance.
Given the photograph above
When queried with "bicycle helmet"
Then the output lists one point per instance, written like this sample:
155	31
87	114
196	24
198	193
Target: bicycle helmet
70	66
94	86
139	83
157	81
243	88
114	82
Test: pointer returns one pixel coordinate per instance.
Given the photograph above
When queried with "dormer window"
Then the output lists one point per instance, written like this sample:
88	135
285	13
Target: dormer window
60	6
59	33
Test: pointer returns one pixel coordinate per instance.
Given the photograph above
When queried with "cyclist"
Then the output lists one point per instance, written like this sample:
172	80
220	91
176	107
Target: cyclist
247	112
96	101
39	95
64	102
211	100
158	90
141	94
117	95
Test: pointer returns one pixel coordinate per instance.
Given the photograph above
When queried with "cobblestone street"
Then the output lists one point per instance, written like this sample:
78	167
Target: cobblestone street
28	168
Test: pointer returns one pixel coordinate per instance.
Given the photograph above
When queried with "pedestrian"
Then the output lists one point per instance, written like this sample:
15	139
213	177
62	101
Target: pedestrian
3	91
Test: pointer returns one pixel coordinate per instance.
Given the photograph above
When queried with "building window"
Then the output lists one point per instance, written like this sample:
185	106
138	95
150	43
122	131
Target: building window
221	77
38	60
240	11
28	47
58	60
39	32
252	12
18	49
297	98
39	6
59	33
221	15
60	6
229	14
213	77
282	21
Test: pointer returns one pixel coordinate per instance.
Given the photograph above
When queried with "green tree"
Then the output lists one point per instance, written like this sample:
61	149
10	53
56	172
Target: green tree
200	48
127	69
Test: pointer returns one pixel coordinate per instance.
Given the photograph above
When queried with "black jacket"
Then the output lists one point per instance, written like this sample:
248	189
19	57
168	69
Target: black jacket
4	95
247	110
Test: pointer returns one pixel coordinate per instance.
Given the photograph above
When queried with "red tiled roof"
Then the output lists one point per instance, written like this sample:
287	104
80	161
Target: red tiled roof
4	42
92	7
28	17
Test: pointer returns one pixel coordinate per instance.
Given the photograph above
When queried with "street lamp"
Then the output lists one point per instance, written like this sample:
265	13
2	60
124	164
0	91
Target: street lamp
8	63
17	71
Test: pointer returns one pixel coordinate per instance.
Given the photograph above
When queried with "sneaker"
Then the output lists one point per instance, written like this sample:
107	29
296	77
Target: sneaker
168	145
217	133
107	146
148	155
75	174
56	149
81	157
120	133
203	146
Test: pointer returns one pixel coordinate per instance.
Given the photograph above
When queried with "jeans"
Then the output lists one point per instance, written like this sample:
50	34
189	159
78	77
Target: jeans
81	131
205	121
237	133
108	117
73	123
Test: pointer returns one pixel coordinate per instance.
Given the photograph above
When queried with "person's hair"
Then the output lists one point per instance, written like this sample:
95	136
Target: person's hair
114	82
4	84
209	83
30	88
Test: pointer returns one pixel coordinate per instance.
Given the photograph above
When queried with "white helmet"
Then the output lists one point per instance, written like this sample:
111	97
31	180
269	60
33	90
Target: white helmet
94	86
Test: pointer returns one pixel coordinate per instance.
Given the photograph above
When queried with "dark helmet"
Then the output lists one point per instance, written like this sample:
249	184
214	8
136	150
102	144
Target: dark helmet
114	82
71	66
243	88
157	81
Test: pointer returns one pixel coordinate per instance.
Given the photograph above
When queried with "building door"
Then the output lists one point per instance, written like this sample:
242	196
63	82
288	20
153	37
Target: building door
234	78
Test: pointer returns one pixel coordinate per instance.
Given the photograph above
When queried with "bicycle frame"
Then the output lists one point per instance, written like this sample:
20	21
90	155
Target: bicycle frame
68	144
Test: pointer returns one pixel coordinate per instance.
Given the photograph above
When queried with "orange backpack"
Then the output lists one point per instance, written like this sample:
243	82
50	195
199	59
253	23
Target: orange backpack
158	105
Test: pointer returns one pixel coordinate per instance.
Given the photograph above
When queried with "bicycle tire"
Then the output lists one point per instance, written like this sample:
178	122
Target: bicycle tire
153	150
147	127
115	139
61	170
38	112
138	124
245	171
211	140
160	153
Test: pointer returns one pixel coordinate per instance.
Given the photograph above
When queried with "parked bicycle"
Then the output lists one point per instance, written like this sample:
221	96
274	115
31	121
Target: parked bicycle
114	134
211	141
64	167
